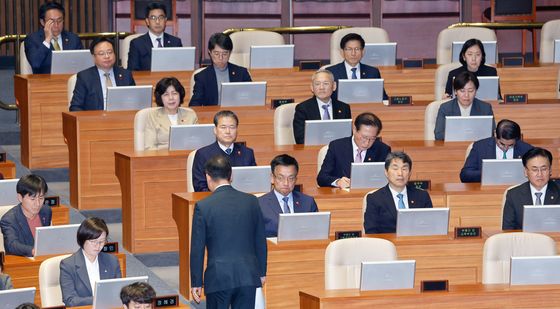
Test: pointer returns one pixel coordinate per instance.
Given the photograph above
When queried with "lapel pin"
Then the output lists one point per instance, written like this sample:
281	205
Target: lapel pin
233	73
239	152
297	203
369	159
411	202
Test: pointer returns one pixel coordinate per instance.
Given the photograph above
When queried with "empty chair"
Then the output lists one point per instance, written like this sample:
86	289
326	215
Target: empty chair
24	65
321	157
430	117
125	47
369	34
190	160
460	34
442	72
49	281
139	124
243	40
550	32
283	124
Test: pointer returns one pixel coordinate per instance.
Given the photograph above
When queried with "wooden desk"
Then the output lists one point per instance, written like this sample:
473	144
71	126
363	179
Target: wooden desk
8	169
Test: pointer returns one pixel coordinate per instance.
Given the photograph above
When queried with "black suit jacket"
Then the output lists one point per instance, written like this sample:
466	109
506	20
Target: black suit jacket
18	239
229	224
516	198
140	51
205	91
339	158
88	94
366	71
381	212
309	110
40	57
483	70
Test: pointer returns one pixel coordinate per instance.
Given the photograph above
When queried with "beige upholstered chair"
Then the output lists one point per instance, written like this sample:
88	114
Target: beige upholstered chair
504	197
370	35
343	260
441	78
139	124
468	151
283	124
192	79
70	87
364	207
498	250
558	86
447	36
190	160
550	32
24	65
3	211
125	47
49	281
243	40
321	157
430	116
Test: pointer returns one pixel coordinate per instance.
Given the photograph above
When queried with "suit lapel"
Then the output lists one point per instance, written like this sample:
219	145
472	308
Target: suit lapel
65	42
98	87
272	200
370	153
342	69
412	197
475	110
81	270
347	156
22	222
337	109
455	110
552	194
212	80
363	72
297	202
389	202
119	76
315	112
103	270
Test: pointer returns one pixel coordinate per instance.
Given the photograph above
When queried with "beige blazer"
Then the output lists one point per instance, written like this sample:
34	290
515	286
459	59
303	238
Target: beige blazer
156	131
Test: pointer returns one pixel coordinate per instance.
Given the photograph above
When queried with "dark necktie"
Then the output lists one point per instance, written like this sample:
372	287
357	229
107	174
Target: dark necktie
538	201
326	115
228	151
286	207
354	76
159	42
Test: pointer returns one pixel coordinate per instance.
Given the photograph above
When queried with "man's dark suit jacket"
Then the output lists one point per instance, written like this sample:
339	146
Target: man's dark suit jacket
140	51
240	156
381	213
205	91
339	158
40	57
229	224
366	71
74	278
88	94
516	198
271	209
451	108
18	239
483	70
309	110
486	149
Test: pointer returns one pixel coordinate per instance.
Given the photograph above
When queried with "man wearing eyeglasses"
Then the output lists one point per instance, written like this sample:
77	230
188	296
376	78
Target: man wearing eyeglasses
40	44
283	198
208	82
363	146
140	52
507	144
90	92
538	191
352	48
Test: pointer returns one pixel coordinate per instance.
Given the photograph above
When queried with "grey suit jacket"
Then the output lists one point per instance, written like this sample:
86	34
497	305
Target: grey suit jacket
451	108
156	131
516	198
18	239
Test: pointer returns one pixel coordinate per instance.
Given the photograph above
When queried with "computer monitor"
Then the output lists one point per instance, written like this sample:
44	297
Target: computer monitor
490	49
502	172
191	136
360	90
387	275
529	270
422	221
471	128
129	98
488	88
543	218
15	297
107	292
173	59
304	226
368	175
322	132
251	179
272	56
380	54
243	94
8	194
556	51
58	239
70	61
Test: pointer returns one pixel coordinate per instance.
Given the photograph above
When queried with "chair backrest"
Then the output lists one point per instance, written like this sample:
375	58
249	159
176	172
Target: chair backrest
243	40
24	65
283	124
504	197
49	281
70	87
343	259
447	36
442	72
190	160
549	32
468	151
3	211
139	125
321	157
558	86
499	248
369	34
430	117
124	47
364	207
192	79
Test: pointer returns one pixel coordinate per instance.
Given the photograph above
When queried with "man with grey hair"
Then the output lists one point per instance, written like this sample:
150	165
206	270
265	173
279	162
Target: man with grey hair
321	106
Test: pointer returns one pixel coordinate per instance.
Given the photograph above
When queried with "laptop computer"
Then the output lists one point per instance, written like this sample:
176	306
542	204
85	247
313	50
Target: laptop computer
58	239
304	226
387	275
380	54
70	61
322	132
490	49
129	98
471	128
528	270
360	90
15	297
272	56
251	179
173	59
488	88
542	218
422	221
367	175
8	193
243	94
502	172
107	291
191	136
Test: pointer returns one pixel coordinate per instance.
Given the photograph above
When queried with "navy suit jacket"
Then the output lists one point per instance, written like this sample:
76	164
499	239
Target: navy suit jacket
40	57
205	91
140	51
451	108
381	212
18	239
486	149
271	209
88	94
483	70
74	279
229	224
516	198
366	71
309	110
339	158
240	156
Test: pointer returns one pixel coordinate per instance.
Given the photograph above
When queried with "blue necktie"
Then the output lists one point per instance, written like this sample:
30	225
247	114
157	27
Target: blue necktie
286	207
228	151
354	76
401	201
326	115
538	201
159	42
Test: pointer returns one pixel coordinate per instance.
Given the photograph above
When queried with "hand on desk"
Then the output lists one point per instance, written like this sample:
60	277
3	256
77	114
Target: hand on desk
196	293
263	280
343	182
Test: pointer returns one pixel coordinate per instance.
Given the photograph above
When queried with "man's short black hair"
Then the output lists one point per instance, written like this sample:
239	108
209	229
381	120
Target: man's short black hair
162	86
398	155
155	6
537	152
218	167
31	185
220	39
352	37
138	292
98	41
28	306
508	129
368	119
468	44
463	78
50	5
91	228
284	160
225	113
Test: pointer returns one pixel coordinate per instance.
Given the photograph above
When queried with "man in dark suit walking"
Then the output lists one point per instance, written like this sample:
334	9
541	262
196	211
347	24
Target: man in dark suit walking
382	205
319	107
230	226
283	198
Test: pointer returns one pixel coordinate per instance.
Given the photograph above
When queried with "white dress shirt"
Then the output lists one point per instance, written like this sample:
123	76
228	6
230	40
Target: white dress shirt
322	111
58	39
396	199
92	271
154	38
534	190
465	111
349	70
224	147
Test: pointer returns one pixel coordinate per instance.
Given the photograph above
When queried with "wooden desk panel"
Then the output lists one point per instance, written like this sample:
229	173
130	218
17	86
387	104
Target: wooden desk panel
8	169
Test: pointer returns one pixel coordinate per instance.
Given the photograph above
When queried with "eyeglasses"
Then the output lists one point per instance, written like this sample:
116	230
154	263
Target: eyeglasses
281	178
220	54
57	21
350	49
542	170
158	18
104	53
97	242
366	138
